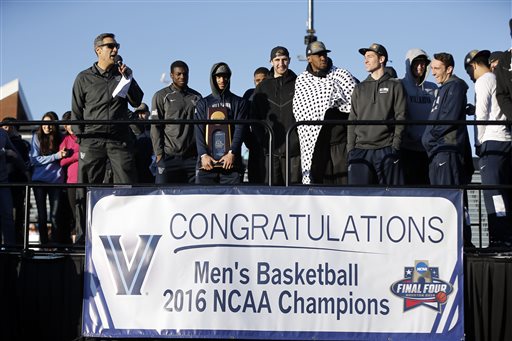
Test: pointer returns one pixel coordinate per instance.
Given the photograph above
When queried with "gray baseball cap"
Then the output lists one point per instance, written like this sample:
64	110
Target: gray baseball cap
316	47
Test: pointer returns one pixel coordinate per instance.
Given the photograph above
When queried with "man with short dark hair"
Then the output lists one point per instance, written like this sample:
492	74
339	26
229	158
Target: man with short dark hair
446	144
272	103
492	143
219	145
323	92
373	149
174	144
256	159
103	92
258	76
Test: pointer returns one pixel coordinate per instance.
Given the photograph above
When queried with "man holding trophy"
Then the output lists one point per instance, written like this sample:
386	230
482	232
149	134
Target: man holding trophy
219	144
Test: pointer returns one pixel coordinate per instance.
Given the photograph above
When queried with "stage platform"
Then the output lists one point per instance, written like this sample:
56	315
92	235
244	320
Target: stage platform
41	296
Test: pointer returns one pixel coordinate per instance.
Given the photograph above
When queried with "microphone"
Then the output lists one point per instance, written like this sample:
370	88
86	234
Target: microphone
118	60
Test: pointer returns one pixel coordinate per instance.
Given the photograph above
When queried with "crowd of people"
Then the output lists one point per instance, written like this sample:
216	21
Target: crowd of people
210	152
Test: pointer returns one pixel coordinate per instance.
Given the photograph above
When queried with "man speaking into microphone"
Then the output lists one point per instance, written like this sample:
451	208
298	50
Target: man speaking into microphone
102	92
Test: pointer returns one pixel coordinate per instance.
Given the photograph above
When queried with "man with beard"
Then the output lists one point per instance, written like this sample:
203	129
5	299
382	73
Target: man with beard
322	92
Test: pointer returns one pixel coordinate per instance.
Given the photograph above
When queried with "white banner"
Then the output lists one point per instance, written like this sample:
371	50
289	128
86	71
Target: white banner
284	263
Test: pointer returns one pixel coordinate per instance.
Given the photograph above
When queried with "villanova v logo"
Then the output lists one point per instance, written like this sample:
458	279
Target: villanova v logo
129	276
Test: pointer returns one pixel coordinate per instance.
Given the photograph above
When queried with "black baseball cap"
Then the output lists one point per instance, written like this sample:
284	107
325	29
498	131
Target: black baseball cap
279	51
377	48
474	54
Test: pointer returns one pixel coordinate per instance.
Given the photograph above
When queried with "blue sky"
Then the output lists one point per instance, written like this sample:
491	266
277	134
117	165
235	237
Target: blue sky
46	43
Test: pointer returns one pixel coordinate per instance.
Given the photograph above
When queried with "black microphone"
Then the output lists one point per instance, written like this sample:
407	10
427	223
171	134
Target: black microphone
118	60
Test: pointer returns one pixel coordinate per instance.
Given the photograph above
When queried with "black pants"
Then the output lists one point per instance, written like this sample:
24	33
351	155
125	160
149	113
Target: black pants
176	170
94	154
496	169
374	166
279	170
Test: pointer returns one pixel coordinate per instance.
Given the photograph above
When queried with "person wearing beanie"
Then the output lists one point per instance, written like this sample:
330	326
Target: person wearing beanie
219	145
272	103
322	92
373	150
420	96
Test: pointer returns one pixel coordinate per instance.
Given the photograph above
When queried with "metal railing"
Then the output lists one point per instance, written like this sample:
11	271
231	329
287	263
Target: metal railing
29	250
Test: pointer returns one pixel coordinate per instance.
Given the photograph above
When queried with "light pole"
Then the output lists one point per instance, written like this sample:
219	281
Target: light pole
310	37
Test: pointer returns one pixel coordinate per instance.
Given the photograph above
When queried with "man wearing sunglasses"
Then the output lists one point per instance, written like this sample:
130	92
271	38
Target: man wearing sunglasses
102	92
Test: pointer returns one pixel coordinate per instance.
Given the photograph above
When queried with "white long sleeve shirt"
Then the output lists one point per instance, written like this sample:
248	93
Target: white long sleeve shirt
487	109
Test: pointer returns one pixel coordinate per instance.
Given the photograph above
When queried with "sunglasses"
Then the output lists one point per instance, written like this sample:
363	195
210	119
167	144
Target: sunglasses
111	45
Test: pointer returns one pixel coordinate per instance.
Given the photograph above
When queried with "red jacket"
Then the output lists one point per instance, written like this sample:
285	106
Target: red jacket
70	162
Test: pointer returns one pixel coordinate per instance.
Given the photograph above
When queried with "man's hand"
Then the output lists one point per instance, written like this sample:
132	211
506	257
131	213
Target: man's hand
228	161
207	162
125	70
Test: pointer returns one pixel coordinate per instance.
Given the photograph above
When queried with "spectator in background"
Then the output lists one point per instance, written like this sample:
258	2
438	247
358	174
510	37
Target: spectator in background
219	145
174	145
7	232
503	74
494	59
373	149
420	95
492	144
18	173
258	76
143	145
256	160
323	92
272	102
45	157
69	164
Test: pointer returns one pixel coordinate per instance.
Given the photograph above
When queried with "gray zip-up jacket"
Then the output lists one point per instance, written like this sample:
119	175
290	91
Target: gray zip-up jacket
382	100
92	100
170	103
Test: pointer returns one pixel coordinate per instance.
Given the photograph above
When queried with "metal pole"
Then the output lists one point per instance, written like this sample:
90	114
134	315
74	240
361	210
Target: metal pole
310	37
311	30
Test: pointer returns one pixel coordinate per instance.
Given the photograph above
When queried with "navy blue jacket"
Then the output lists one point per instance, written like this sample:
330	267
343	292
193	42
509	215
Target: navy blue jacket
449	104
237	110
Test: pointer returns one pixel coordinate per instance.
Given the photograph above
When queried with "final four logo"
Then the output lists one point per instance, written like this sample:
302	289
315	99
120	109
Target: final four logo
421	286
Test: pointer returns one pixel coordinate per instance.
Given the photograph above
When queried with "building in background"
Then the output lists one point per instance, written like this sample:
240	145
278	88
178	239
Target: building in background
13	103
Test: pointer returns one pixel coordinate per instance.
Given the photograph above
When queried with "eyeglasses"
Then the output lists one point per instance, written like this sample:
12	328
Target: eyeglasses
111	45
